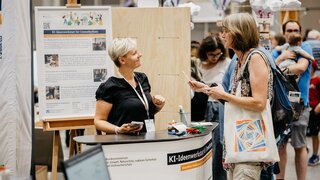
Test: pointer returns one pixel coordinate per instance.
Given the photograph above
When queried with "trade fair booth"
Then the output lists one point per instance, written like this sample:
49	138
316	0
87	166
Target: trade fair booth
71	42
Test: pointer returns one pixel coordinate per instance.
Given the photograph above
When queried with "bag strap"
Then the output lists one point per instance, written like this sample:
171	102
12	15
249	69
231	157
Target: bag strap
246	62
264	57
238	86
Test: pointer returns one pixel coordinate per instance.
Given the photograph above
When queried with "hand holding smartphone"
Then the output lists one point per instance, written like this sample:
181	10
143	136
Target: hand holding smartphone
215	85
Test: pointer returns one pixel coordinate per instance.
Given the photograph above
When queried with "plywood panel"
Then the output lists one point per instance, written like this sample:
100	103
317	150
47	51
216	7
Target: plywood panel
163	36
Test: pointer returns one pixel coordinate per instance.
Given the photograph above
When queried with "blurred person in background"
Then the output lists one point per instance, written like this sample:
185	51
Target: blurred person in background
276	39
298	129
314	119
313	40
213	65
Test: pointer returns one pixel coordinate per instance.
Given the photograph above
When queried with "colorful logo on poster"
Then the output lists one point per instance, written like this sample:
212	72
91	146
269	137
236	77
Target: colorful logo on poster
250	136
75	19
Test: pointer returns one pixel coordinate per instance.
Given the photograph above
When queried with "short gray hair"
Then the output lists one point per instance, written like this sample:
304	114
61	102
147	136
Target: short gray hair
121	47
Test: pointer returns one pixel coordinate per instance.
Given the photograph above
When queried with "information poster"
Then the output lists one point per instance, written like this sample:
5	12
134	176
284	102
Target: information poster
72	58
0	30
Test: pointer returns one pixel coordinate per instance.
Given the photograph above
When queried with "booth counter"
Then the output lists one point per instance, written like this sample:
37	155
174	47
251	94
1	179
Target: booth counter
156	155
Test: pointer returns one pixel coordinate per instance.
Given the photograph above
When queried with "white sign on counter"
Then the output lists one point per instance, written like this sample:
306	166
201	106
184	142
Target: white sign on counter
187	159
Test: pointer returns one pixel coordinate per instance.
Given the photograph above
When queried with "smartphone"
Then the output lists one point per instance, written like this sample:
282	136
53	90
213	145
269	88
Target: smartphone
135	123
213	85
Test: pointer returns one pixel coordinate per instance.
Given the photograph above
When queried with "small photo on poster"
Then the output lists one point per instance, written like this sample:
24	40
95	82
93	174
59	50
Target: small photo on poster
99	44
51	60
52	92
100	75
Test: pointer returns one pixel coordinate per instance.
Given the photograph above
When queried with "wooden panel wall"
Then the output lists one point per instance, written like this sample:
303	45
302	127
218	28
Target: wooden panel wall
163	37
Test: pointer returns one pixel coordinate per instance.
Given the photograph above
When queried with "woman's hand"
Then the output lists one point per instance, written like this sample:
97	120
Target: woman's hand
216	92
158	101
198	86
129	128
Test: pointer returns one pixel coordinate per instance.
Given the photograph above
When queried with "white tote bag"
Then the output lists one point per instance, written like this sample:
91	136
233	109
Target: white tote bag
249	135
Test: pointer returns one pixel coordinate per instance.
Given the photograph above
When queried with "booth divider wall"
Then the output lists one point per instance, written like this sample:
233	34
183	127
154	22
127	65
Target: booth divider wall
163	37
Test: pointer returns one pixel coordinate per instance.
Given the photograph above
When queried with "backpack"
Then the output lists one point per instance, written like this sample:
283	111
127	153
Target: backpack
282	110
281	107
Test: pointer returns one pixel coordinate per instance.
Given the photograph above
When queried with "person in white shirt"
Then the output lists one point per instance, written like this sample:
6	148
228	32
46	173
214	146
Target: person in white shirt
213	65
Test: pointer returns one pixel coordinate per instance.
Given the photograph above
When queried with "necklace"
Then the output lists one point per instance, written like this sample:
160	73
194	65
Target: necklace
243	57
240	60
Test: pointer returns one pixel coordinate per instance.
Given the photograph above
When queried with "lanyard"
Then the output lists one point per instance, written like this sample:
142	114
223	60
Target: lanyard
143	99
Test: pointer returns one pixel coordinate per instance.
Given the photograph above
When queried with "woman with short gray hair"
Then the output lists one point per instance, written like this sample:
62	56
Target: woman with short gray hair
127	98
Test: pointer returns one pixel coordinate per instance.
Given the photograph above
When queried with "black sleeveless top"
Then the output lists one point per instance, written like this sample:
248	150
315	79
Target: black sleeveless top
127	106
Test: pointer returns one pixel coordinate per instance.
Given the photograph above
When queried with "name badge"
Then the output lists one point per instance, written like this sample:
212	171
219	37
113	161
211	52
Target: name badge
150	125
294	96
